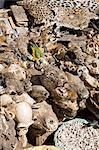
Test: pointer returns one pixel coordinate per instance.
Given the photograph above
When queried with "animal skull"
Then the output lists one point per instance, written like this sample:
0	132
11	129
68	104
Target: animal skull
92	64
24	119
39	92
83	71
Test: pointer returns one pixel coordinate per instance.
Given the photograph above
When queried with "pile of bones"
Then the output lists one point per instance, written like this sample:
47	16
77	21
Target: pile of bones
37	94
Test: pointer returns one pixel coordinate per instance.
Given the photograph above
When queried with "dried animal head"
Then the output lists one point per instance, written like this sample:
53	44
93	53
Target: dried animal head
70	66
92	64
66	98
84	72
92	48
39	93
77	84
44	118
66	93
53	77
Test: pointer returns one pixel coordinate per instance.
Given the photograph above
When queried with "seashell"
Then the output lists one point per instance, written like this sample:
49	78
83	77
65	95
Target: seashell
23	114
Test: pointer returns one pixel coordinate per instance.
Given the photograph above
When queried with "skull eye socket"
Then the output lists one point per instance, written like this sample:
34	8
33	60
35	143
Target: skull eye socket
52	74
51	121
91	45
94	65
35	119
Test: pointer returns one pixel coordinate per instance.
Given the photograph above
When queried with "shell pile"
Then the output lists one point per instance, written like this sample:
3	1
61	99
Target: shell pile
49	71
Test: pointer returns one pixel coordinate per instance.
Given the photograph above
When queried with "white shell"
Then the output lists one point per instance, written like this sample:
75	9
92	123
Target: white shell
18	71
5	99
24	114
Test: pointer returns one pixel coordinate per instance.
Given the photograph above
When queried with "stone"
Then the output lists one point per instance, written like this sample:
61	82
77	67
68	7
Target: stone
19	15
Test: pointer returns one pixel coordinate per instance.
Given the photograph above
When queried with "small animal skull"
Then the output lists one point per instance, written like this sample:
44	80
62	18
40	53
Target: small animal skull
83	71
24	119
92	64
39	93
44	117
